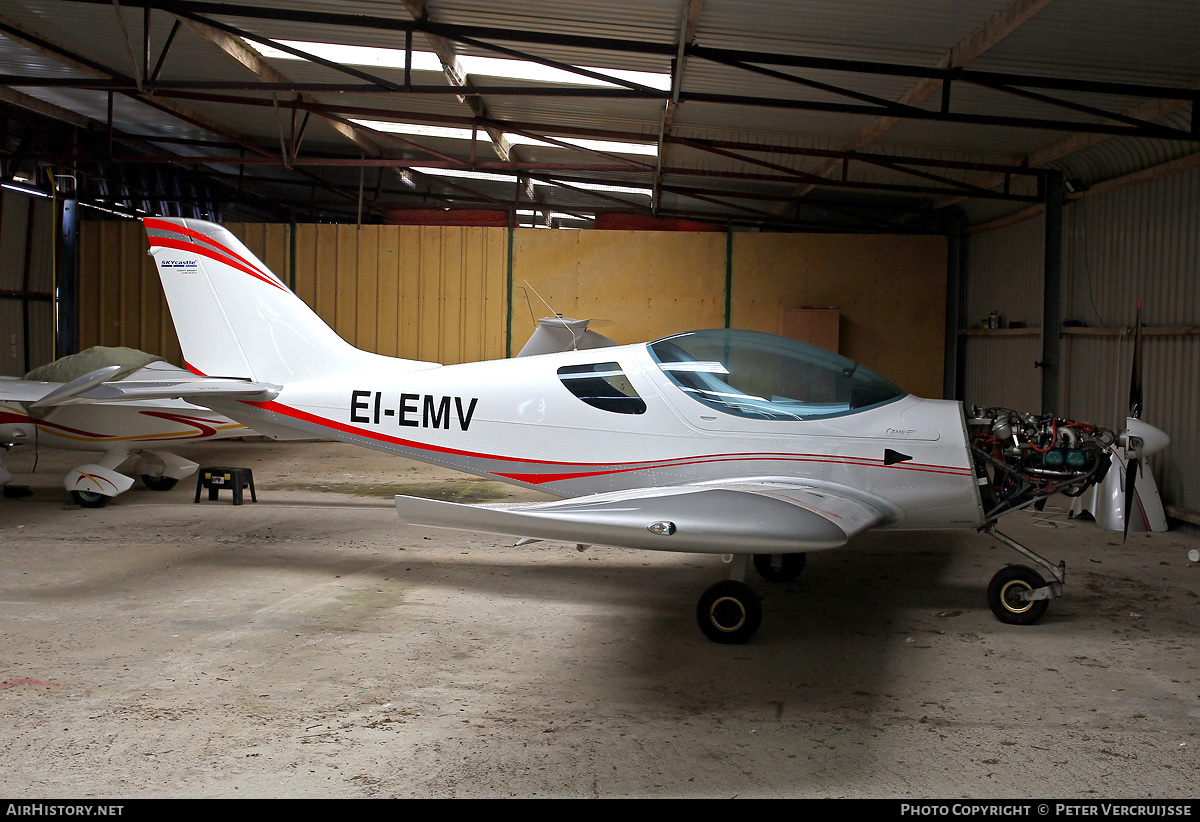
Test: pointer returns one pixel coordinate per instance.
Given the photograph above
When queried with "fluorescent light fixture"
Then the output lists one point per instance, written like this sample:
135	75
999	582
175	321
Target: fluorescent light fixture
33	192
110	211
511	178
373	57
559	215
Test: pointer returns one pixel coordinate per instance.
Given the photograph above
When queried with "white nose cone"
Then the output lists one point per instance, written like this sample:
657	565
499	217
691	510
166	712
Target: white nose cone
1153	439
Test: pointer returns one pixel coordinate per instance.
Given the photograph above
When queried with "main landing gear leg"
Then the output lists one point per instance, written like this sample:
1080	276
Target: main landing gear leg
1019	595
730	612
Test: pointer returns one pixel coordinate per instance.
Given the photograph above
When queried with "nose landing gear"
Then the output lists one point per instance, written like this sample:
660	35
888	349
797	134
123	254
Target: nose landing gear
1019	595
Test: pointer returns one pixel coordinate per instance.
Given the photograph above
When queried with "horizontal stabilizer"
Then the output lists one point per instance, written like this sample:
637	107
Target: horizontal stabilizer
738	518
195	389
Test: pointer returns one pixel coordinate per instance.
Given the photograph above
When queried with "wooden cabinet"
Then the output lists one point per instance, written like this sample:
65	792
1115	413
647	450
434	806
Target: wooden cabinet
819	326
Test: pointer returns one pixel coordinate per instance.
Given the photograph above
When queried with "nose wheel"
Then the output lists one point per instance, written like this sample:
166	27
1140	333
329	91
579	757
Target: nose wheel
1019	595
729	612
1012	592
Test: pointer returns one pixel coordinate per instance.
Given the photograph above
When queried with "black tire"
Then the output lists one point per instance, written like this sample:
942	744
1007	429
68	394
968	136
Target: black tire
790	568
159	483
1006	606
90	499
729	612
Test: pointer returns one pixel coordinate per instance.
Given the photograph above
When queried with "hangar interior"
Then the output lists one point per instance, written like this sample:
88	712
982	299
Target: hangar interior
981	194
396	162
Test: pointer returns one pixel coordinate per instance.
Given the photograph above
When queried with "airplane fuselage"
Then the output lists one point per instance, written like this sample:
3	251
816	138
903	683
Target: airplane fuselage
517	421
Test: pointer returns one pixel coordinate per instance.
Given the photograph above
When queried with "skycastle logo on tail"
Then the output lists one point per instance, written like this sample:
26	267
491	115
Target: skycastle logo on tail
182	266
412	410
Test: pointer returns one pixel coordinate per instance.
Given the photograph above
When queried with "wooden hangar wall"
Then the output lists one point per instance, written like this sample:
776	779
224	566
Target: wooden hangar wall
442	293
26	283
1120	245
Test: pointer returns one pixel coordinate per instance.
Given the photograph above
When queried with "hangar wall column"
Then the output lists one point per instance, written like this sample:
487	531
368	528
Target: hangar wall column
66	279
1052	274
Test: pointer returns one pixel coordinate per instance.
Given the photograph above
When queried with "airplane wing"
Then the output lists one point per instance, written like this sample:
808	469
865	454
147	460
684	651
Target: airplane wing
761	517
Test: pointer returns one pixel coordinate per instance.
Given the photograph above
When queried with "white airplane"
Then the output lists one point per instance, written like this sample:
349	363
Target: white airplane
733	443
36	414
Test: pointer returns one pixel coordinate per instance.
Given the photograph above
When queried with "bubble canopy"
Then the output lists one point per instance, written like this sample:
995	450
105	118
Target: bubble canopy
762	376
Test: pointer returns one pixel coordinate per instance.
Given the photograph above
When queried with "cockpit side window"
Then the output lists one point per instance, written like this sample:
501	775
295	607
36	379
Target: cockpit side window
604	386
750	374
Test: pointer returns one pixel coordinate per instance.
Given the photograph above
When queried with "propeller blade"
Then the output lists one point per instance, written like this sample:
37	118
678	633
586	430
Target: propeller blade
1135	377
1131	471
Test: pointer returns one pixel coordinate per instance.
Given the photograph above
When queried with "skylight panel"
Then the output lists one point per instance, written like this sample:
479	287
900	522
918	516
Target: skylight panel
455	133
421	130
364	56
607	146
611	189
466	175
374	57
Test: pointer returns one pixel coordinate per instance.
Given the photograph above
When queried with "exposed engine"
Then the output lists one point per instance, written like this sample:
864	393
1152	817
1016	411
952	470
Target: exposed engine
1021	459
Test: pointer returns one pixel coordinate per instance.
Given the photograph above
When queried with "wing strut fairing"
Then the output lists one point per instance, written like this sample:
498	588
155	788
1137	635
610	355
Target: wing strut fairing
757	517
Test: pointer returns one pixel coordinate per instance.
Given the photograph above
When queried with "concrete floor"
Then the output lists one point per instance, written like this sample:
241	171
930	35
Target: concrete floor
310	645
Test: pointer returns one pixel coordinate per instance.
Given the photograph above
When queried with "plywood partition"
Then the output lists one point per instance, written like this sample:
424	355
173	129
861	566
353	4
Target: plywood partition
434	293
647	283
440	293
120	297
890	289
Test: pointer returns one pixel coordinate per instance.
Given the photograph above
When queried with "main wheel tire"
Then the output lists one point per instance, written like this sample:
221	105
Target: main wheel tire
90	499
1004	600
158	483
729	612
790	568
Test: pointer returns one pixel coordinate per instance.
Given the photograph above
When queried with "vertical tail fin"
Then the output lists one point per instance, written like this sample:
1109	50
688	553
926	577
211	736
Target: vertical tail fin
234	317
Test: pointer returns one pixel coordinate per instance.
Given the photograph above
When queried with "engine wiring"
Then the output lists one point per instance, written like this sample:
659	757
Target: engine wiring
1023	459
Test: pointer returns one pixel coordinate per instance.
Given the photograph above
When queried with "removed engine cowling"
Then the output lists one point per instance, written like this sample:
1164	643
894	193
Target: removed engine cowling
1021	459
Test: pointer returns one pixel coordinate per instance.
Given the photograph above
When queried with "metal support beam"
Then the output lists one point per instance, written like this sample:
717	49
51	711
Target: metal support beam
66	275
954	370
1052	293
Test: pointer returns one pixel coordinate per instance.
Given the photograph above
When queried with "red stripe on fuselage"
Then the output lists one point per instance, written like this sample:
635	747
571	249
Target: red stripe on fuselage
540	478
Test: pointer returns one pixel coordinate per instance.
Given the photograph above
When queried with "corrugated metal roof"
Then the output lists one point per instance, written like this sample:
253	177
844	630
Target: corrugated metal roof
739	95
